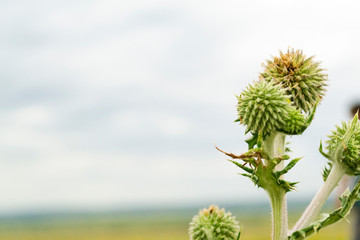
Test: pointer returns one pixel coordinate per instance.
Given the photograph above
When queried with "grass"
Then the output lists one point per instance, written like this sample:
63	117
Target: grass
156	225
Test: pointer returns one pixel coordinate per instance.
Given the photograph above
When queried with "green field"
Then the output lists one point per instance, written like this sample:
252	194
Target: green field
139	225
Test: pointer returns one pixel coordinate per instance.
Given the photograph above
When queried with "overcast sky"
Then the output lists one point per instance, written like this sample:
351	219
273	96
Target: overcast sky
108	104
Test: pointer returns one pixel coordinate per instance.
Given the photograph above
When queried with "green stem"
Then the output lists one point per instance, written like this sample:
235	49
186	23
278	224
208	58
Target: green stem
340	213
279	214
312	211
274	145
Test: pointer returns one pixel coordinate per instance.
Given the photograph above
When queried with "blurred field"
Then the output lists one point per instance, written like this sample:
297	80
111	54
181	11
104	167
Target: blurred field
154	225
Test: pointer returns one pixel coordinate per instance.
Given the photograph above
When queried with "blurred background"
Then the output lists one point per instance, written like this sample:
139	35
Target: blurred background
110	110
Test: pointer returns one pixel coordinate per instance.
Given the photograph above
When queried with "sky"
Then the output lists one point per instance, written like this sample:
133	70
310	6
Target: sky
119	104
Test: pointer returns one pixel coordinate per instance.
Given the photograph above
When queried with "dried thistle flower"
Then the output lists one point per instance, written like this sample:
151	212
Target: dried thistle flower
301	77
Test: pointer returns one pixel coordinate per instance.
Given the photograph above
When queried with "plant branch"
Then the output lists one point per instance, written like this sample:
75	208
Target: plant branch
274	146
347	202
312	211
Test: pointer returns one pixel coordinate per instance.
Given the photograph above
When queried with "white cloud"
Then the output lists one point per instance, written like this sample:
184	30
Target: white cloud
131	71
142	123
31	116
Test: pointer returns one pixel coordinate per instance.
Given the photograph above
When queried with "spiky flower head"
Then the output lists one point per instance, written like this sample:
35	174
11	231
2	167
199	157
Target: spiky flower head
343	145
263	107
296	122
214	223
302	78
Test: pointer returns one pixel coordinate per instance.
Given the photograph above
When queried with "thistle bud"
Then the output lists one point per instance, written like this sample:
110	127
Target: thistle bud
263	107
214	223
301	77
344	146
296	122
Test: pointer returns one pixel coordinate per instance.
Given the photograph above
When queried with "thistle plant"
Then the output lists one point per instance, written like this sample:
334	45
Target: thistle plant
280	103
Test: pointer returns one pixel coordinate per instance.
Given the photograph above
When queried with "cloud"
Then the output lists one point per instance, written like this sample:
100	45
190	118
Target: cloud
120	102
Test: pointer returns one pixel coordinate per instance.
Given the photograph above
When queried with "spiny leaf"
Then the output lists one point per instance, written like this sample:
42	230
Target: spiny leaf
252	141
291	164
344	196
287	186
242	166
312	114
287	149
275	161
253	178
317	227
326	171
322	151
238	237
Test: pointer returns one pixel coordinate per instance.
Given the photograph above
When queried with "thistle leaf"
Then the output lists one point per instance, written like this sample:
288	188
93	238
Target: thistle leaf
326	171
286	169
322	152
242	166
252	141
253	178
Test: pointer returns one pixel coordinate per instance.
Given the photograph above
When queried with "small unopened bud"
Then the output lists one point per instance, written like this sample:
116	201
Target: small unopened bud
214	223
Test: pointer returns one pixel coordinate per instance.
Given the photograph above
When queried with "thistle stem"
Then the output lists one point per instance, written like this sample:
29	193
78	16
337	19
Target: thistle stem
312	211
279	214
337	215
274	145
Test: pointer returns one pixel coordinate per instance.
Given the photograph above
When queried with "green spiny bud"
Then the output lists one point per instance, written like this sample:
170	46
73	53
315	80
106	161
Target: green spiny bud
344	145
263	107
302	78
214	223
295	122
